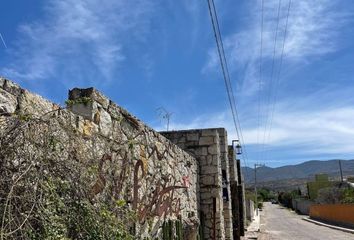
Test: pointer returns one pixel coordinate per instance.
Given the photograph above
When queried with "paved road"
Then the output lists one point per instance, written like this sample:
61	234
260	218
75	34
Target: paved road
278	223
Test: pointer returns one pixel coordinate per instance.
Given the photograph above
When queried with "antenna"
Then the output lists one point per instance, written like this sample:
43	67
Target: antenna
164	114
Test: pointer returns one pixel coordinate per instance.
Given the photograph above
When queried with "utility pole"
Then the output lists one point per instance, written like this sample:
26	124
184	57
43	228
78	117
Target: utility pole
341	172
255	183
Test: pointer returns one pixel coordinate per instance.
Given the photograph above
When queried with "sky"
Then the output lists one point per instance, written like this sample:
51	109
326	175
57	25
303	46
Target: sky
294	95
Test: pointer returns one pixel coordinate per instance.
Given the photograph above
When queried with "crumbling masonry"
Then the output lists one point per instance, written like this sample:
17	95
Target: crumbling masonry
189	179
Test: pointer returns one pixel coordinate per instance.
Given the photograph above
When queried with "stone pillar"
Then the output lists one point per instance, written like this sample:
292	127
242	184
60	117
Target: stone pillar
235	202
205	144
241	198
227	211
92	106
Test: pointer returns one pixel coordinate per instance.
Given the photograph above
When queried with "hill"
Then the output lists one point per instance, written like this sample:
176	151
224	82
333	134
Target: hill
305	170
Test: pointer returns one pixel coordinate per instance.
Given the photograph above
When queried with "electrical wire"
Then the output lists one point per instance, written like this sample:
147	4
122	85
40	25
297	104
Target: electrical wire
268	103
260	83
226	75
279	73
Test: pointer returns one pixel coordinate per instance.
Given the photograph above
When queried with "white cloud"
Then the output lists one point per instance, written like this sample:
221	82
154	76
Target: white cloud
313	28
78	37
315	129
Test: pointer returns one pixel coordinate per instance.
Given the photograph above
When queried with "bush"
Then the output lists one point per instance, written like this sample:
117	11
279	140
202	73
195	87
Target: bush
348	196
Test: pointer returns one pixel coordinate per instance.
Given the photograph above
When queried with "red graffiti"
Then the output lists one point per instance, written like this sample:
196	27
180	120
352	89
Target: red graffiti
161	203
186	181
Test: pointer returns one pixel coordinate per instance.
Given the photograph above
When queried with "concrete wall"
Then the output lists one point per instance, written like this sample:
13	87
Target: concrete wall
341	214
302	206
120	157
249	210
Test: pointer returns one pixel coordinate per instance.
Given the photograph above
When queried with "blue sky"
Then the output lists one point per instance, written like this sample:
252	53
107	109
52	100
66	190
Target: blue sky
149	54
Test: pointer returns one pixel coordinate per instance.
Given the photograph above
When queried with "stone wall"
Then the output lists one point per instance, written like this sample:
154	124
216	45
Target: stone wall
250	210
302	206
209	146
14	99
225	168
120	157
189	178
238	203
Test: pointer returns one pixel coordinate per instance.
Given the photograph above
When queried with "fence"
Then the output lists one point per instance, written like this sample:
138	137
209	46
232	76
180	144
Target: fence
340	214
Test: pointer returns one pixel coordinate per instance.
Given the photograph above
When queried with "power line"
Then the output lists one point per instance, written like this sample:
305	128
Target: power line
229	82
279	73
260	83
226	75
268	103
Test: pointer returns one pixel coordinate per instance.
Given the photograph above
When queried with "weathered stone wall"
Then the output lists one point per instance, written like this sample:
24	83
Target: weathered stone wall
14	99
250	210
122	157
226	183
210	149
232	165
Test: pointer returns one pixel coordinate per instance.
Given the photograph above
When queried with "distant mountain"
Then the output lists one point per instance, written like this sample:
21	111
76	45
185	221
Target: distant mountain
306	170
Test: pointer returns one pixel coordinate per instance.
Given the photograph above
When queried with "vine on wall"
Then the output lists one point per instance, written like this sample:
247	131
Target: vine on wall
60	182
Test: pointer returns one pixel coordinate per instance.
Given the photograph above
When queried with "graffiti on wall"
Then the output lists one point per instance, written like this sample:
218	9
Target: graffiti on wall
159	200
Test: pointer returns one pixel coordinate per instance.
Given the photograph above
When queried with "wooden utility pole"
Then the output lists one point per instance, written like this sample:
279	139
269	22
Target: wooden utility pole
341	172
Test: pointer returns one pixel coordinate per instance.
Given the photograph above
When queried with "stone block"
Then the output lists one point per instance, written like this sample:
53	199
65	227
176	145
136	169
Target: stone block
8	102
213	149
209	160
12	87
209	140
105	123
201	151
208	170
83	109
207	180
2	82
101	99
92	93
209	132
29	103
192	136
222	132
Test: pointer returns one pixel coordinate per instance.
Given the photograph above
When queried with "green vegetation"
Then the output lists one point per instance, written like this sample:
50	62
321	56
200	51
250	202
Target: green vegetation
25	117
168	229
348	196
263	195
333	195
82	100
286	198
58	214
46	190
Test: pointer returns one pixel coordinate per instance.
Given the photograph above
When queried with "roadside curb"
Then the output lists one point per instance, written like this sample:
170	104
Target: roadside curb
328	225
255	224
